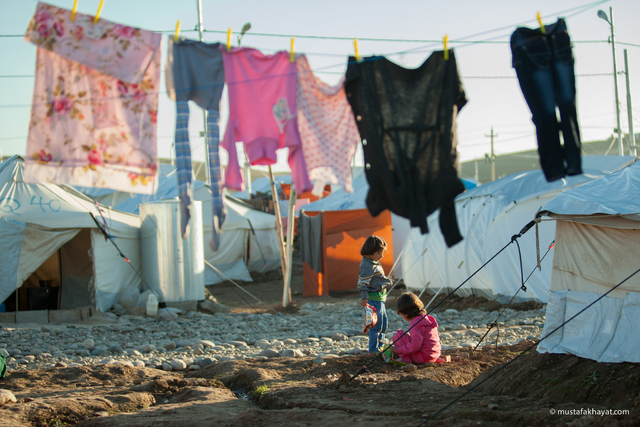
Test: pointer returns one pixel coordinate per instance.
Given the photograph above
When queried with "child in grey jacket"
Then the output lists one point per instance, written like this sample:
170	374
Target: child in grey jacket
373	286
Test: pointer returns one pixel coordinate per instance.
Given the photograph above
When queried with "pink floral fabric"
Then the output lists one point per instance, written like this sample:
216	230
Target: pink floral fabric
95	103
327	128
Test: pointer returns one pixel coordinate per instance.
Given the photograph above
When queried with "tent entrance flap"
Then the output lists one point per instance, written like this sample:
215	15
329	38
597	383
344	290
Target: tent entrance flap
68	270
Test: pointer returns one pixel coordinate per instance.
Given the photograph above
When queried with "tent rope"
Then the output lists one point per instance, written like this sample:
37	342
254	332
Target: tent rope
494	324
513	239
527	349
110	238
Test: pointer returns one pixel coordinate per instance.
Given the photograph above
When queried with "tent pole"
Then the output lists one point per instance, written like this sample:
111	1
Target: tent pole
276	207
207	175
286	292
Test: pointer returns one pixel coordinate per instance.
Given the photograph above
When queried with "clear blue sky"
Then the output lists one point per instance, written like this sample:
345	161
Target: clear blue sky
494	96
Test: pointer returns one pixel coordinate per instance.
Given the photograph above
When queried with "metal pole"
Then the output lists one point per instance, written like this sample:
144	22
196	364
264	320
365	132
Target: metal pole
632	136
207	179
615	82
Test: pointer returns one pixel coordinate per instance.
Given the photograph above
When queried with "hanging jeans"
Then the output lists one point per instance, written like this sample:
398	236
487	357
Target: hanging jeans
544	65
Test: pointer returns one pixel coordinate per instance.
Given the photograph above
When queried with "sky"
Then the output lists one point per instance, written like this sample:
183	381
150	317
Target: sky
406	31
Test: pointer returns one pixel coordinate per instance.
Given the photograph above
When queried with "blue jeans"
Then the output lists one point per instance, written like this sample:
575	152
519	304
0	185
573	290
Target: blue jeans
376	334
544	65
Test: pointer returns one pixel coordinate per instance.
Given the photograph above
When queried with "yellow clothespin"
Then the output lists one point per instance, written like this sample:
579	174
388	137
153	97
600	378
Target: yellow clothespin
542	28
292	56
229	40
73	11
95	21
175	38
355	46
446	50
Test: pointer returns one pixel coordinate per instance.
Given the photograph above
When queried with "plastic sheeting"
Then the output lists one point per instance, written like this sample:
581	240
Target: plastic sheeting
615	194
488	216
606	332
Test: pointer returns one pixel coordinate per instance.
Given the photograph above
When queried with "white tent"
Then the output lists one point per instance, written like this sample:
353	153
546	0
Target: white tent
47	233
248	242
488	216
597	247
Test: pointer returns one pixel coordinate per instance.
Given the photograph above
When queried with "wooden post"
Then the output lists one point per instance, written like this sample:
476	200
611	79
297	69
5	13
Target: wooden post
276	207
286	292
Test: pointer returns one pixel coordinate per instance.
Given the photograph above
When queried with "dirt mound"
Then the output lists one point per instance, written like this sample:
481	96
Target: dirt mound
562	378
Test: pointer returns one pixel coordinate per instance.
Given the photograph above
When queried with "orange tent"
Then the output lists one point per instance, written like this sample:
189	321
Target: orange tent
343	234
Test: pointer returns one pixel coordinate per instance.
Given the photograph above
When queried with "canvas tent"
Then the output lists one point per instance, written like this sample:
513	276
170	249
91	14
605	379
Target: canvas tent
488	216
47	234
597	247
248	243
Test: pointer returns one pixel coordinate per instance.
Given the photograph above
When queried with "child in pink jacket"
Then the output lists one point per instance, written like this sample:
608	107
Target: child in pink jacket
421	344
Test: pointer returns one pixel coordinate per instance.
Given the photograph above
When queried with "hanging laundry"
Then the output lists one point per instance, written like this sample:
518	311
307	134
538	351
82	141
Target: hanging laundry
327	129
262	113
407	121
95	103
195	71
544	65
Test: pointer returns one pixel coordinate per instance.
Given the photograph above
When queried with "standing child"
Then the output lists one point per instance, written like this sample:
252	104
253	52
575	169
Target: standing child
422	343
373	286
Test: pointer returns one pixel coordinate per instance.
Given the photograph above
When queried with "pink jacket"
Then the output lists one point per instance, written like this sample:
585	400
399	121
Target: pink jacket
422	343
262	112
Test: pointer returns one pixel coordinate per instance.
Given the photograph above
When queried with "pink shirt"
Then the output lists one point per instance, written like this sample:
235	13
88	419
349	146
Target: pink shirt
262	112
95	103
422	343
327	128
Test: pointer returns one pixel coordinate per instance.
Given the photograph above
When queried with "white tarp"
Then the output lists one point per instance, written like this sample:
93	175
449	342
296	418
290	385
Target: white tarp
607	331
49	216
488	216
597	246
240	250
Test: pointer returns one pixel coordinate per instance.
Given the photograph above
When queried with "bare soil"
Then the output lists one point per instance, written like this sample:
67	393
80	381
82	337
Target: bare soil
498	387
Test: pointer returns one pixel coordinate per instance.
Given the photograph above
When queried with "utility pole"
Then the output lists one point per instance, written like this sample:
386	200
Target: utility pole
632	136
491	158
609	19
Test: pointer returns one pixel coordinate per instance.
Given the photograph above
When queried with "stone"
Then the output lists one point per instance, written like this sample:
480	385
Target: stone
64	316
178	365
214	307
292	353
338	336
32	316
409	368
7	397
269	353
9	317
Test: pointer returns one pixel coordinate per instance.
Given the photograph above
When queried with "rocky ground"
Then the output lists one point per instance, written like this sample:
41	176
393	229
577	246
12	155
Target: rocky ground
260	364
